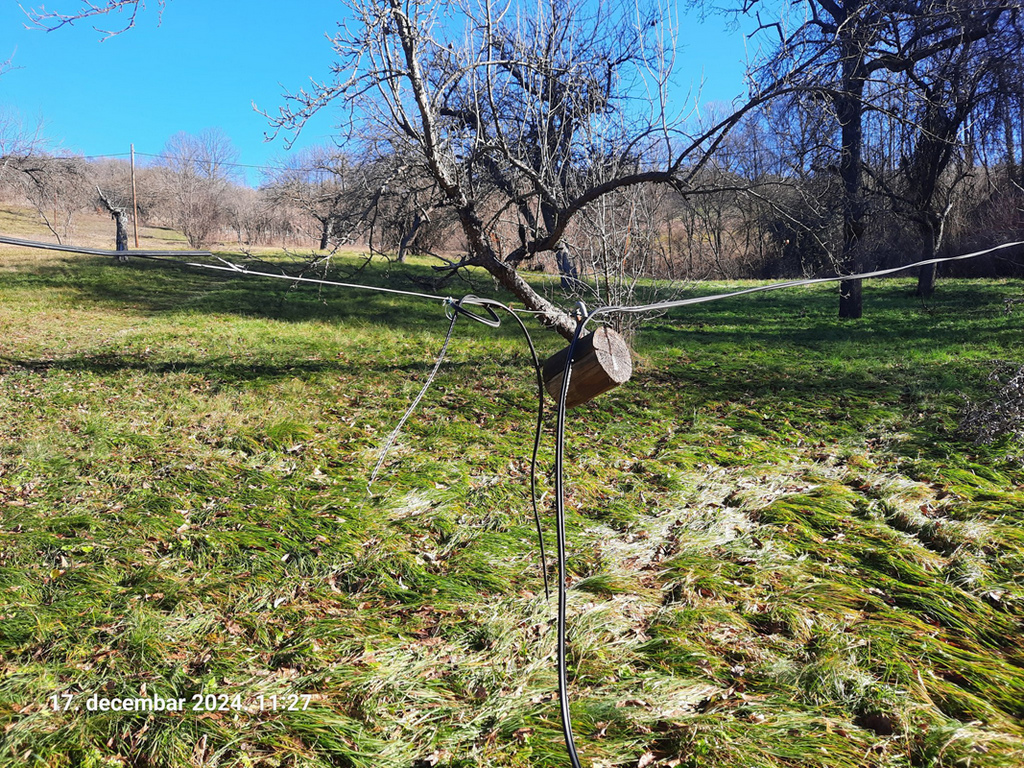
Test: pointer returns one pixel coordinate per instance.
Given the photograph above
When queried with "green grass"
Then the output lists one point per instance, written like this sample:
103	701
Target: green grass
782	553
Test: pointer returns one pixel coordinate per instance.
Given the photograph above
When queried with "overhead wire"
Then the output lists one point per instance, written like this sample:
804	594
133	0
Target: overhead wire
673	304
583	318
456	308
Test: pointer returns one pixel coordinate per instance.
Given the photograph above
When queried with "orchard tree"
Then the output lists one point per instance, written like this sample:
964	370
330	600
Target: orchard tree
837	51
198	173
525	114
521	114
324	183
939	103
57	187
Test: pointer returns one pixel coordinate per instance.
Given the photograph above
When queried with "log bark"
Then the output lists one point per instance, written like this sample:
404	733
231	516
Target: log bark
601	361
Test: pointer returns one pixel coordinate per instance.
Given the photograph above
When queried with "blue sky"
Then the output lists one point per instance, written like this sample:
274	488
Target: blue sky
204	63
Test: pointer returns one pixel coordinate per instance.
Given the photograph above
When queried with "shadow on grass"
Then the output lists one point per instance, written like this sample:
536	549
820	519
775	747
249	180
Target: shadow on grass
224	369
160	289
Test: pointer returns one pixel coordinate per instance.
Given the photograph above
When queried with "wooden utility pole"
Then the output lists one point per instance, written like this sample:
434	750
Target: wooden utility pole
135	201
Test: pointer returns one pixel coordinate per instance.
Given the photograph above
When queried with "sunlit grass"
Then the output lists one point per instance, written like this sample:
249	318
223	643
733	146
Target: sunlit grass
781	553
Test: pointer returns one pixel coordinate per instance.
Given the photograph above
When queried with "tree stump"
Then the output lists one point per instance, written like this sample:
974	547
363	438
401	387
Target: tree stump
601	362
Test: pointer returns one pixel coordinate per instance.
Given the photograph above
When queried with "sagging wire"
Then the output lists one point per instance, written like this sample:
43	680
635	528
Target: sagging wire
453	309
537	432
663	305
226	266
583	316
454	316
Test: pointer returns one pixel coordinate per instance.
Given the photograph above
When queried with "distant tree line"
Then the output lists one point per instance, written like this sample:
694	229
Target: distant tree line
875	133
319	198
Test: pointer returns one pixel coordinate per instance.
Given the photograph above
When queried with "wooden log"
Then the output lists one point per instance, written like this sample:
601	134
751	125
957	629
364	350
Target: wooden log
601	362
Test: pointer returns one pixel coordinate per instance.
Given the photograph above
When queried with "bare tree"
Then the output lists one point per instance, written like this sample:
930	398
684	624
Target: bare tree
198	173
258	217
843	47
406	213
925	186
18	141
328	186
57	187
111	179
528	111
619	243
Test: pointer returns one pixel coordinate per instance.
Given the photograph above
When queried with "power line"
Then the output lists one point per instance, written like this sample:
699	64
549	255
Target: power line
300	169
228	164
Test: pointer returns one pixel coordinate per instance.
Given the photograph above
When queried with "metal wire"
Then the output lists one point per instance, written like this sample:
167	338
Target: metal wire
412	407
226	266
661	305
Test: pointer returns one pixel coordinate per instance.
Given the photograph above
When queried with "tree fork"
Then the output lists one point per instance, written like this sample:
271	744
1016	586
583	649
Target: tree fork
506	275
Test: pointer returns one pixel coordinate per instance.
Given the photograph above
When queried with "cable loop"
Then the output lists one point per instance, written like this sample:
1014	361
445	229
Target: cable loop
493	322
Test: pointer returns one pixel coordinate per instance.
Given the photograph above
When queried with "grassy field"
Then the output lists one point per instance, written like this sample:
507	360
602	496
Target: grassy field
782	554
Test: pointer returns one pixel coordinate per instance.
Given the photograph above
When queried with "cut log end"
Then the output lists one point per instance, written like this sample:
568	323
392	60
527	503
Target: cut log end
601	362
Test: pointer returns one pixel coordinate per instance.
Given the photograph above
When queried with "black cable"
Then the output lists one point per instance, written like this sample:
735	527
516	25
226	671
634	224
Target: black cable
563	682
538	429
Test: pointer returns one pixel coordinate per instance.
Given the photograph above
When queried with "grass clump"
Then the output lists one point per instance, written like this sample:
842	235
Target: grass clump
782	552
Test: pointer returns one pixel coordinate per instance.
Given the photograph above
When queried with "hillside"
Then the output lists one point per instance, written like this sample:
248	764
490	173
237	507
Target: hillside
782	552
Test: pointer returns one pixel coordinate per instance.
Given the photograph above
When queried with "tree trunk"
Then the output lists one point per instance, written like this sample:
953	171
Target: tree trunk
506	275
121	230
927	274
326	230
119	215
926	281
851	299
569	275
409	236
850	111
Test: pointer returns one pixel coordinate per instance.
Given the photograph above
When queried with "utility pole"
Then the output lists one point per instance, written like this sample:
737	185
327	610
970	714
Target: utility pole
135	201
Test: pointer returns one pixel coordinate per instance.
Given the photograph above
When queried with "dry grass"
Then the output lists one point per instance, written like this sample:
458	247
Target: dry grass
781	552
